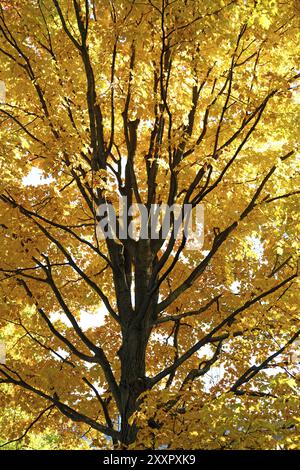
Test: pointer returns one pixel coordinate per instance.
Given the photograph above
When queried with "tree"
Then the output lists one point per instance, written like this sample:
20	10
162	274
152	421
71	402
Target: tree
161	101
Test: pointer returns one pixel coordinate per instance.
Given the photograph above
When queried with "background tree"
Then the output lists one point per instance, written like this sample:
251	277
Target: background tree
179	101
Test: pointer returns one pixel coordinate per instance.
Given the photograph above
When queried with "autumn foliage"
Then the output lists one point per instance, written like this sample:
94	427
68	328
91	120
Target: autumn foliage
145	343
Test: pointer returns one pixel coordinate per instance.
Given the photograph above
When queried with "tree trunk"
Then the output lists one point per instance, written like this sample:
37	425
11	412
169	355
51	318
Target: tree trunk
135	336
